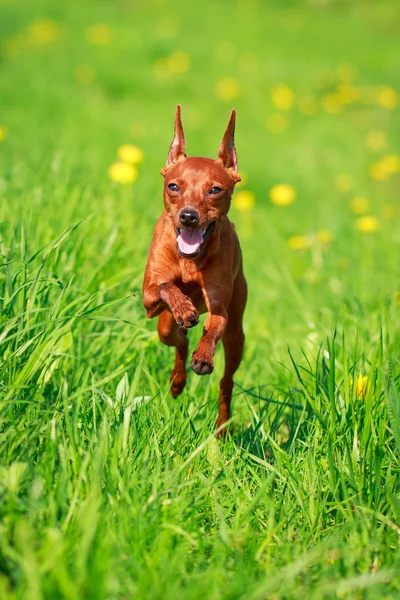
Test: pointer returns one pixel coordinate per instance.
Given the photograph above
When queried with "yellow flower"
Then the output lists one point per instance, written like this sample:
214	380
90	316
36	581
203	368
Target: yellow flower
367	224
227	89
389	212
43	32
99	34
359	205
378	171
282	96
344	182
308	105
282	194
324	236
3	133
391	162
84	74
244	200
299	242
347	94
387	97
225	52
347	72
130	154
123	173
361	386
376	140
276	123
331	103
179	62
249	62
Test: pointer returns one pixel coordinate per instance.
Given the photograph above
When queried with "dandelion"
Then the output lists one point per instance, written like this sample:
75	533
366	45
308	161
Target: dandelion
282	96
84	74
367	224
227	89
3	133
359	205
299	242
130	154
179	62
331	104
344	182
308	105
248	62
43	32
376	140
276	123
391	163
244	200
123	173
378	171
347	94
282	194
361	386
99	34
387	97
324	236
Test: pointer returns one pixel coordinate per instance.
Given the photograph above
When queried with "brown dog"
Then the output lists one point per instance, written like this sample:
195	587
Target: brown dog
195	263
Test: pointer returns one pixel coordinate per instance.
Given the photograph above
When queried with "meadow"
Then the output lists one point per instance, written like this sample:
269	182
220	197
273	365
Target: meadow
110	488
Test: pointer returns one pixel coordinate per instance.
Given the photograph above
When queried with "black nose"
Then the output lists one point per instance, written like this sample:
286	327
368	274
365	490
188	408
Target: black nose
189	217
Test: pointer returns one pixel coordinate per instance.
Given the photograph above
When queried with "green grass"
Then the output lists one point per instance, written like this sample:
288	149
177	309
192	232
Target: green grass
110	488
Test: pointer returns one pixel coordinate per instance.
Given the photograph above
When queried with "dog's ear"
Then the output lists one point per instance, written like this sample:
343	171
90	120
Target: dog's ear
227	151
178	146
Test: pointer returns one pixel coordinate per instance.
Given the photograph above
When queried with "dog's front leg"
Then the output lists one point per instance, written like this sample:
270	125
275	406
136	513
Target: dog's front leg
167	296
214	328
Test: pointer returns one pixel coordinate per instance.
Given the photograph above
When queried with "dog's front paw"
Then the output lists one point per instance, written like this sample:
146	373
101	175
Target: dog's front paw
185	314
201	363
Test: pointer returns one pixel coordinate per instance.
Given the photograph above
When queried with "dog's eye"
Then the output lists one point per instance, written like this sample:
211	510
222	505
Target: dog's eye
173	187
215	190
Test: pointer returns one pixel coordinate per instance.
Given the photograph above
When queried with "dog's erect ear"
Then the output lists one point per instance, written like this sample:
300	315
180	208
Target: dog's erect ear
227	152
178	146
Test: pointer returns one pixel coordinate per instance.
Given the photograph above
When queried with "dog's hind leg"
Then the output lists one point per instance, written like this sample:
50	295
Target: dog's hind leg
172	334
233	342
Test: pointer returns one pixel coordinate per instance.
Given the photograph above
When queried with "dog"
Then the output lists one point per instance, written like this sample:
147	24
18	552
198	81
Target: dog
195	264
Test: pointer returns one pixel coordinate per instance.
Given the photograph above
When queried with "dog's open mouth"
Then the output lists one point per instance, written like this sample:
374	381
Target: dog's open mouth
191	241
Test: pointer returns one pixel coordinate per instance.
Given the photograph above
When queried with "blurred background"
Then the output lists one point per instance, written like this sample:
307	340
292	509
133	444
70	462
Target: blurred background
88	92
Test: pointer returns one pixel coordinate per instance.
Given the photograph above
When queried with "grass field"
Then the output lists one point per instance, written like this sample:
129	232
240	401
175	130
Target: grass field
110	488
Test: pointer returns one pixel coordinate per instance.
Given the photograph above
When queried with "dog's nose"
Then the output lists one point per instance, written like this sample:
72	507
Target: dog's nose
189	217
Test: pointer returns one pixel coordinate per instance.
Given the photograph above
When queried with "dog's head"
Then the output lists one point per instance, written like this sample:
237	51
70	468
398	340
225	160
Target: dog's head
197	190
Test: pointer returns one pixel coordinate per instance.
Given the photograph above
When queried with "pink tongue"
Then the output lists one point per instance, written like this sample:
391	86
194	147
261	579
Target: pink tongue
189	240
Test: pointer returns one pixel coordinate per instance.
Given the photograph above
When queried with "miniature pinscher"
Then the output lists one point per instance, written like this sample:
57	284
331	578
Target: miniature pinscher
195	263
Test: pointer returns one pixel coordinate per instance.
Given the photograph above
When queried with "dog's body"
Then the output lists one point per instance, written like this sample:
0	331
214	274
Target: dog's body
195	263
